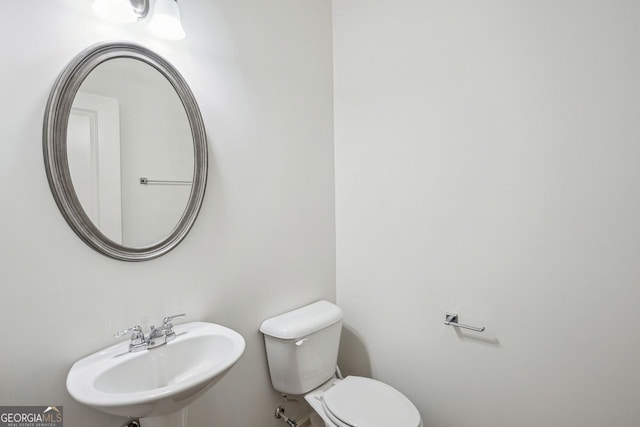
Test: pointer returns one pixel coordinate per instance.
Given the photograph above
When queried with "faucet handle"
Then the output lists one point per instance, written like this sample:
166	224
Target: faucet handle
135	331
169	334
137	338
167	320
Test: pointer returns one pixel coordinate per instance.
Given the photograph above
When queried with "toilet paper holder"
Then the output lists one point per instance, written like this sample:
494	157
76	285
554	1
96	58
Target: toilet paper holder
451	319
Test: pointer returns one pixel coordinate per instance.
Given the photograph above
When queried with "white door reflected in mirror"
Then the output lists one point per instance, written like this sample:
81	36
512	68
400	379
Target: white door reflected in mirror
93	149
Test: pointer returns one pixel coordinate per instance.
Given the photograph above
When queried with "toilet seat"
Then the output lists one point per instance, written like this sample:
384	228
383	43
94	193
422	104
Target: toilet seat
358	401
334	420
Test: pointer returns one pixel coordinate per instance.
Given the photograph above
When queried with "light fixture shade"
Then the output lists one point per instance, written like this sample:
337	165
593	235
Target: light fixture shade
166	20
117	11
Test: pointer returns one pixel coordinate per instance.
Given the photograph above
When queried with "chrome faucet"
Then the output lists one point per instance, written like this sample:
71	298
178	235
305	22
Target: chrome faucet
139	342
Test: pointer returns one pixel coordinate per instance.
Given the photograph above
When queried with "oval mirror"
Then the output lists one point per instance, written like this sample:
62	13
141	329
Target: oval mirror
125	151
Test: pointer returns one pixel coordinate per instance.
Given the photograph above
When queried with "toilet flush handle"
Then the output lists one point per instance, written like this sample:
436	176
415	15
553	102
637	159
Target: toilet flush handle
301	342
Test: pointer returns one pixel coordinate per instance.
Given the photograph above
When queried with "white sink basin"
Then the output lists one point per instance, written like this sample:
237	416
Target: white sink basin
159	381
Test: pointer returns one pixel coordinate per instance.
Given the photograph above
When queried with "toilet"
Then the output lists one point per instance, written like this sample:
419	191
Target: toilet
302	353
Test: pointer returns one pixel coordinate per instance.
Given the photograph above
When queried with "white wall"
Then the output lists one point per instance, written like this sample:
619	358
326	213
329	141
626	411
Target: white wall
263	243
487	162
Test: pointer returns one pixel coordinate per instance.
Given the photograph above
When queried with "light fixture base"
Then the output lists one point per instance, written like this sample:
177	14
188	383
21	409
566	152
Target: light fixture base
141	8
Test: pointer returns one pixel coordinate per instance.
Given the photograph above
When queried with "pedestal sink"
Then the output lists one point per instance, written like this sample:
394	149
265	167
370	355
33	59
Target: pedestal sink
156	385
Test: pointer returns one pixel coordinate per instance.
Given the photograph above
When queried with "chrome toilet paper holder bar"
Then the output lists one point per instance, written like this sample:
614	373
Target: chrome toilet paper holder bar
451	319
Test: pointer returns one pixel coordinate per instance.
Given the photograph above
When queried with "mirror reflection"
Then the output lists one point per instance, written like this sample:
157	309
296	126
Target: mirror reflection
130	152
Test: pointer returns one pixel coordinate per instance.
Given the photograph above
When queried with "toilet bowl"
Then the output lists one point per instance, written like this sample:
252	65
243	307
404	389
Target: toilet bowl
302	352
359	401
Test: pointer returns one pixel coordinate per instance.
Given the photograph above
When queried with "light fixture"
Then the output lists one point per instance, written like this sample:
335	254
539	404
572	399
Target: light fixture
165	22
121	11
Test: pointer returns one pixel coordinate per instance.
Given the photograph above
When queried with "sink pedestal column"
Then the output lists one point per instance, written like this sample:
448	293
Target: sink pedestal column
175	419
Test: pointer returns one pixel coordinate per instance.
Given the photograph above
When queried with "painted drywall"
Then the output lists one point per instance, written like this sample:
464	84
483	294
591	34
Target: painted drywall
264	241
487	163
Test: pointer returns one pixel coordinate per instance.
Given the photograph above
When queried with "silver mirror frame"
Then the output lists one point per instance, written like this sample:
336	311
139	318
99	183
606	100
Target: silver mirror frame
56	163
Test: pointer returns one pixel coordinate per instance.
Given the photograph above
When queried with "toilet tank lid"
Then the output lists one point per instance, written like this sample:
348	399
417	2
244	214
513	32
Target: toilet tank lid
303	321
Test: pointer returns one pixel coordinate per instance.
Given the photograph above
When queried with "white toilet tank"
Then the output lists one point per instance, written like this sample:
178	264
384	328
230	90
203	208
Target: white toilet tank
302	346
